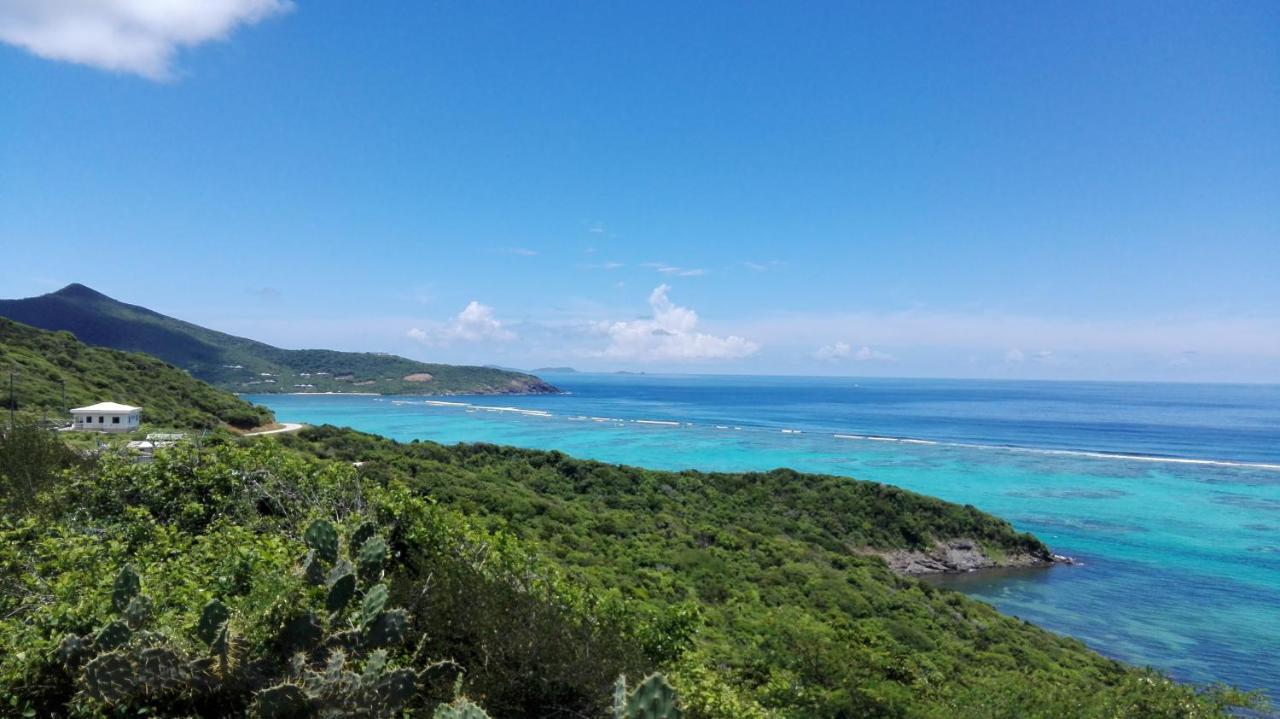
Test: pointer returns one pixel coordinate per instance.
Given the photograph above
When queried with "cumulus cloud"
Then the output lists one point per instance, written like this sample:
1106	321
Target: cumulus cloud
671	333
843	350
475	323
135	36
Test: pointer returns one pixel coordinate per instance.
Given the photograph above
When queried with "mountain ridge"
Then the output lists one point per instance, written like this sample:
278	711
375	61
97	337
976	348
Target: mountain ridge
244	365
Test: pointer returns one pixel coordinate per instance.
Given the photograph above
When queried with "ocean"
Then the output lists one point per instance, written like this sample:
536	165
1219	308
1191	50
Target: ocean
1167	494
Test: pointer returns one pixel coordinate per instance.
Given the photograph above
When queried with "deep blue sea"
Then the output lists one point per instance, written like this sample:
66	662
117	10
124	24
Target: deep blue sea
1169	494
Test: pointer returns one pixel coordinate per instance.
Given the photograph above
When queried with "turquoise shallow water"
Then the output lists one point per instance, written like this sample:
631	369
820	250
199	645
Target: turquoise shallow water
1169	494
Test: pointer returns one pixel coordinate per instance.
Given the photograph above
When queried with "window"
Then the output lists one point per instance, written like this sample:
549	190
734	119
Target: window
115	420
102	420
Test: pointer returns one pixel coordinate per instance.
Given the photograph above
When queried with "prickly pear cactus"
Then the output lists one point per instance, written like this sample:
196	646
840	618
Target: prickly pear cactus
341	590
138	611
374	600
212	617
361	535
459	709
370	557
653	698
71	651
126	587
109	678
111	636
323	539
159	671
387	629
283	701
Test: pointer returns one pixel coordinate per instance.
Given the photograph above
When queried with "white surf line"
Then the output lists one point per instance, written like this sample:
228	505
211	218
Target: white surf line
663	422
1069	452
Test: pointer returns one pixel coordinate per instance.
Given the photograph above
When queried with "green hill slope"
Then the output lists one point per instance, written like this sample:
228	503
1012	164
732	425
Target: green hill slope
244	365
749	590
794	611
45	363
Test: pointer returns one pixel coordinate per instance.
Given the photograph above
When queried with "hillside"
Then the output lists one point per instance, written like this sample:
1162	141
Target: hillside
243	365
776	577
252	577
44	363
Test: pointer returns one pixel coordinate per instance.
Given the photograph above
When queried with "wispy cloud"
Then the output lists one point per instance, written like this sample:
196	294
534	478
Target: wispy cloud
602	266
475	323
672	270
133	36
520	251
844	350
670	333
762	266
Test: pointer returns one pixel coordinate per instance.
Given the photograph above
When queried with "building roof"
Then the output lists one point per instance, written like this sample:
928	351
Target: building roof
106	407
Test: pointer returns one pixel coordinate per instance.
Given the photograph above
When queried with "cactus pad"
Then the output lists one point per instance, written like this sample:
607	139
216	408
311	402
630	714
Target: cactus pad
72	650
212	617
395	688
126	587
283	701
138	611
109	678
160	671
362	534
341	590
654	698
389	628
374	600
111	636
323	538
370	558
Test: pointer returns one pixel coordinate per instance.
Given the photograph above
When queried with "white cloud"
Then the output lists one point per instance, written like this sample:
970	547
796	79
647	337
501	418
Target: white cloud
843	350
521	251
674	271
670	334
1015	356
475	323
136	36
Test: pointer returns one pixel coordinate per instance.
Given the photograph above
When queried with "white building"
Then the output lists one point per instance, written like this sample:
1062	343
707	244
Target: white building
106	417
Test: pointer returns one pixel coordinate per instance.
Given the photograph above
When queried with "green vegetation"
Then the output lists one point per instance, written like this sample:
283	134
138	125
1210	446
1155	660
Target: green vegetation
767	575
45	364
242	365
272	577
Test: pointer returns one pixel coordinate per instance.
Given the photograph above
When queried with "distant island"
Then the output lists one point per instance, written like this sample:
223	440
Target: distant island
555	370
243	365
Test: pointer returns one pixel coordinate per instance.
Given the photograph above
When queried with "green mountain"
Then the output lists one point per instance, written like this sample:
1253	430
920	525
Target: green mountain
243	365
45	364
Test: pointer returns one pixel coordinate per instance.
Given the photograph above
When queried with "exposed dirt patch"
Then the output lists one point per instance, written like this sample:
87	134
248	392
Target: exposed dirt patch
418	377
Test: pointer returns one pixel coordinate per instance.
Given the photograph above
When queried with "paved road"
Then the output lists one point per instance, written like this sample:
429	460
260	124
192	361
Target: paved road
288	427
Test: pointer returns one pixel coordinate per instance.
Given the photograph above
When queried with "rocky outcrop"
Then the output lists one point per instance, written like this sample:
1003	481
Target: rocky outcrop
959	555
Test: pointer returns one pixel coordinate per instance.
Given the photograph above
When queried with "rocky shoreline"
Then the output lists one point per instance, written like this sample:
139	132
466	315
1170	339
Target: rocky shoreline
960	555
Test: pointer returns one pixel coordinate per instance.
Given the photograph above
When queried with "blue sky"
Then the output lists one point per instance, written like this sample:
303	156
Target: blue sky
1035	190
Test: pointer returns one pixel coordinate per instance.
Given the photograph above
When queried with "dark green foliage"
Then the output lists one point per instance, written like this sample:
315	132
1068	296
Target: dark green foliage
31	460
44	362
239	364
